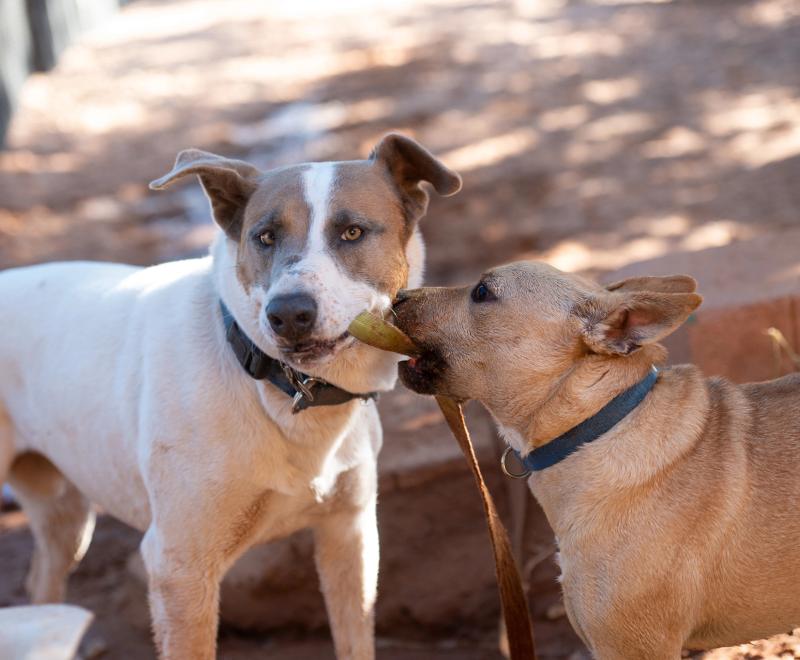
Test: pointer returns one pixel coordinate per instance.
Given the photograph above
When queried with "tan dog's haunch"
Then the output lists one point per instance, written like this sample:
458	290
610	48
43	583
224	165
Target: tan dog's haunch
677	527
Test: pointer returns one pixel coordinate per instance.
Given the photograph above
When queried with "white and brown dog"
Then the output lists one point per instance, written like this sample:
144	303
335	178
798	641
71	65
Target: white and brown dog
140	389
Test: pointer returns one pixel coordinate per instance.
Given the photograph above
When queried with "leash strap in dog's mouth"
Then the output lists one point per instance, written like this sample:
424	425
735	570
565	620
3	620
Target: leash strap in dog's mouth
305	391
512	595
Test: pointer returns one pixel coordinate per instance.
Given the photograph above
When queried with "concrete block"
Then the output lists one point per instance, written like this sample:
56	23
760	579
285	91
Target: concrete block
748	287
733	341
42	632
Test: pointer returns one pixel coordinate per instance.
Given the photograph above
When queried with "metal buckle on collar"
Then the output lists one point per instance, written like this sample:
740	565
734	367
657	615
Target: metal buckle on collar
304	386
304	392
509	473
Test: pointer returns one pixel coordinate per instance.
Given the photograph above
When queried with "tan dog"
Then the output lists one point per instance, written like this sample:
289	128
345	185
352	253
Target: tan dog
679	526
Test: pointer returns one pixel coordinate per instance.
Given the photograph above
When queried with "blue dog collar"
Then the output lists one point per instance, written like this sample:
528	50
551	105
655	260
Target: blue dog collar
587	431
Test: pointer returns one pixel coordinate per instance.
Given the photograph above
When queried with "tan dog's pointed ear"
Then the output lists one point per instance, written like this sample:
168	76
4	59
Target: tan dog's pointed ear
668	284
228	184
409	163
622	324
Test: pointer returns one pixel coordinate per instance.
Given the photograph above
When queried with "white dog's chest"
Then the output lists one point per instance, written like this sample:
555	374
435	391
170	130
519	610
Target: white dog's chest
133	403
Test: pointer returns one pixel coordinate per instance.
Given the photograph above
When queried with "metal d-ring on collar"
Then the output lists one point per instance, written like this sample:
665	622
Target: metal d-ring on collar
504	466
587	431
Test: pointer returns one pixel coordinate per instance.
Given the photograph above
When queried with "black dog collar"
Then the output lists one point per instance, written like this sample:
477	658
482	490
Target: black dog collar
306	391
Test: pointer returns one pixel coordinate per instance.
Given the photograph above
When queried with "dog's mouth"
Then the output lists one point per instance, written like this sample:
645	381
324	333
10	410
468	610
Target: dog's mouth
316	350
423	374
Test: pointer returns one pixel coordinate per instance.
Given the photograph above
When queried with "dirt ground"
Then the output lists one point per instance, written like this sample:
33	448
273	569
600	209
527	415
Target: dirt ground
591	133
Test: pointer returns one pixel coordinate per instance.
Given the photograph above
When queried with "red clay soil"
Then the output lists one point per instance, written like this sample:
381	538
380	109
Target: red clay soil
591	133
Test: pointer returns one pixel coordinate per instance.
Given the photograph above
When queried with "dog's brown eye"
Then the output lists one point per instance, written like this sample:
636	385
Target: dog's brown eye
268	237
482	293
352	233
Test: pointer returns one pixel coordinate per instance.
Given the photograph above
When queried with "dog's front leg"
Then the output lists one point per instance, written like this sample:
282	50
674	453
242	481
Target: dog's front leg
347	562
184	598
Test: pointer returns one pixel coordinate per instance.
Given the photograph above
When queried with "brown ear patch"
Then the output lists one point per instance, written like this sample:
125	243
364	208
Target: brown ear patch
409	163
228	184
669	284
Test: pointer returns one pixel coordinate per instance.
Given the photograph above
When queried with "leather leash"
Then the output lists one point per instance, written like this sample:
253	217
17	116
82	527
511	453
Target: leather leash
512	595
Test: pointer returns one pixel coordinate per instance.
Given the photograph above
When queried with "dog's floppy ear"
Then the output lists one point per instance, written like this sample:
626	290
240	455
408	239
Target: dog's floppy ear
668	284
409	163
621	323
228	184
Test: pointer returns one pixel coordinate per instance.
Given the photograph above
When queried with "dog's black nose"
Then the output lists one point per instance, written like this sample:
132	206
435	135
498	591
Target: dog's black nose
292	316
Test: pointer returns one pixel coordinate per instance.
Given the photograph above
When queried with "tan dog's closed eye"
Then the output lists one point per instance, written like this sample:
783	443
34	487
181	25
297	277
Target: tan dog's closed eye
655	505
